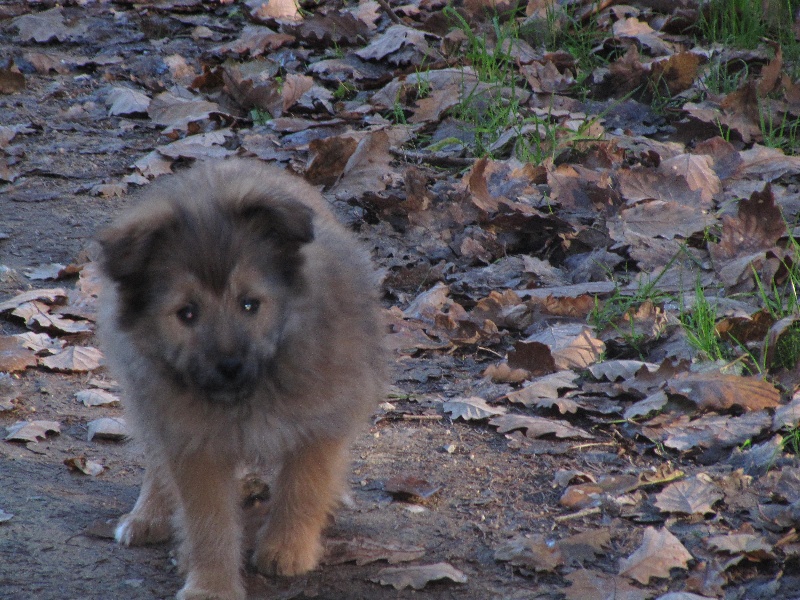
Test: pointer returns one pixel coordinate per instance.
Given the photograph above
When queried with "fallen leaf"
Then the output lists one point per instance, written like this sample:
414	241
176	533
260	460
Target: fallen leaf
548	386
47	25
75	359
14	356
84	465
418	577
716	391
125	101
471	409
538	427
96	398
596	585
615	370
50	296
533	552
31	431
363	551
659	553
694	496
108	428
752	546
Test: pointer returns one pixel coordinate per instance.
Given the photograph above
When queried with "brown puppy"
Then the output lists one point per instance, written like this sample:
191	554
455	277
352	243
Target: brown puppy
243	324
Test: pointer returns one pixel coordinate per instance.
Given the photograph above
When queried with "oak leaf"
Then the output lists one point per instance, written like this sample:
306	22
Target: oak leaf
659	553
419	576
695	496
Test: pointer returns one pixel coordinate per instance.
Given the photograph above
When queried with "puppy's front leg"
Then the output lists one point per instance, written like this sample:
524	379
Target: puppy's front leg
150	520
307	488
209	523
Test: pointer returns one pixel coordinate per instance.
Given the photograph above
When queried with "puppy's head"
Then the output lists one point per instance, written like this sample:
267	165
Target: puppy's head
204	270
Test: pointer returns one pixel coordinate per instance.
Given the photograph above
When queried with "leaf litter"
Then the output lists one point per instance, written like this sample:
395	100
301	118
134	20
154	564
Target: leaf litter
539	270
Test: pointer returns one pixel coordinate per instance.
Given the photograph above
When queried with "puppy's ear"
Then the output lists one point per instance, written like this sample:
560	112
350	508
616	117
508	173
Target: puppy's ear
127	245
289	222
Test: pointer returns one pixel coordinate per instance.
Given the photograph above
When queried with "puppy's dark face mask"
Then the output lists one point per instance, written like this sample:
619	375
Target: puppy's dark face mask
204	291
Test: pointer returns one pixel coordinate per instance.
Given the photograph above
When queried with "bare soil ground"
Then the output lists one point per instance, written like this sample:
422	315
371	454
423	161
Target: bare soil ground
493	487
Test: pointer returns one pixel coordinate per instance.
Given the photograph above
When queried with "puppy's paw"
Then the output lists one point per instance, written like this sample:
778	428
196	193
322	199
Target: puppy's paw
295	557
133	530
193	593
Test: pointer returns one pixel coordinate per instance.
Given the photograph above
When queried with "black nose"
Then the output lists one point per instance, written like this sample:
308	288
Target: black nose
229	368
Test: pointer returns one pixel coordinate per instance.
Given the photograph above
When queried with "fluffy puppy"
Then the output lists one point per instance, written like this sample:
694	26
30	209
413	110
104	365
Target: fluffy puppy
242	322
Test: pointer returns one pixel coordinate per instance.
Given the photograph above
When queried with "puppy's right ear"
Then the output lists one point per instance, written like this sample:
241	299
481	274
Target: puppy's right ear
128	243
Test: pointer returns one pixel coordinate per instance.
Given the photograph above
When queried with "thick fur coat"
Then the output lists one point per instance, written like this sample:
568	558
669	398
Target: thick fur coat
242	321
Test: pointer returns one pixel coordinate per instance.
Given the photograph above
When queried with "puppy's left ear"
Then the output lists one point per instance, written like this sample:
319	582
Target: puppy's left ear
289	222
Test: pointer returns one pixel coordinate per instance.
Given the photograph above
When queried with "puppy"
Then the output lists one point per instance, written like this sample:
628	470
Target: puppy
242	322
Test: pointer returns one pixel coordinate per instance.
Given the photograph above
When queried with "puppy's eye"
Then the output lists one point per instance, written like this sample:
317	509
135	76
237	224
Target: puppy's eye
250	305
188	314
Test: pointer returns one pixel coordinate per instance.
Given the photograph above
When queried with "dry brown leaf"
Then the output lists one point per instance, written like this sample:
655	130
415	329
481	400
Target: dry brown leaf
108	428
45	26
596	585
694	496
716	392
471	409
40	343
368	168
84	465
31	431
752	546
660	551
546	387
538	427
653	403
50	296
126	101
418	577
14	355
96	397
280	10
678	72
757	227
616	370
75	359
388	45
583	547
532	552
714	431
363	551
177	112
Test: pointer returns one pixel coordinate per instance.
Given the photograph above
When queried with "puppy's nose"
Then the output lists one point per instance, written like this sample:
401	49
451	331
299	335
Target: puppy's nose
229	368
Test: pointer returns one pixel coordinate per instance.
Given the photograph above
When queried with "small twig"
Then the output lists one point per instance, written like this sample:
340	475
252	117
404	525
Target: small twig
440	160
581	513
385	6
407	417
